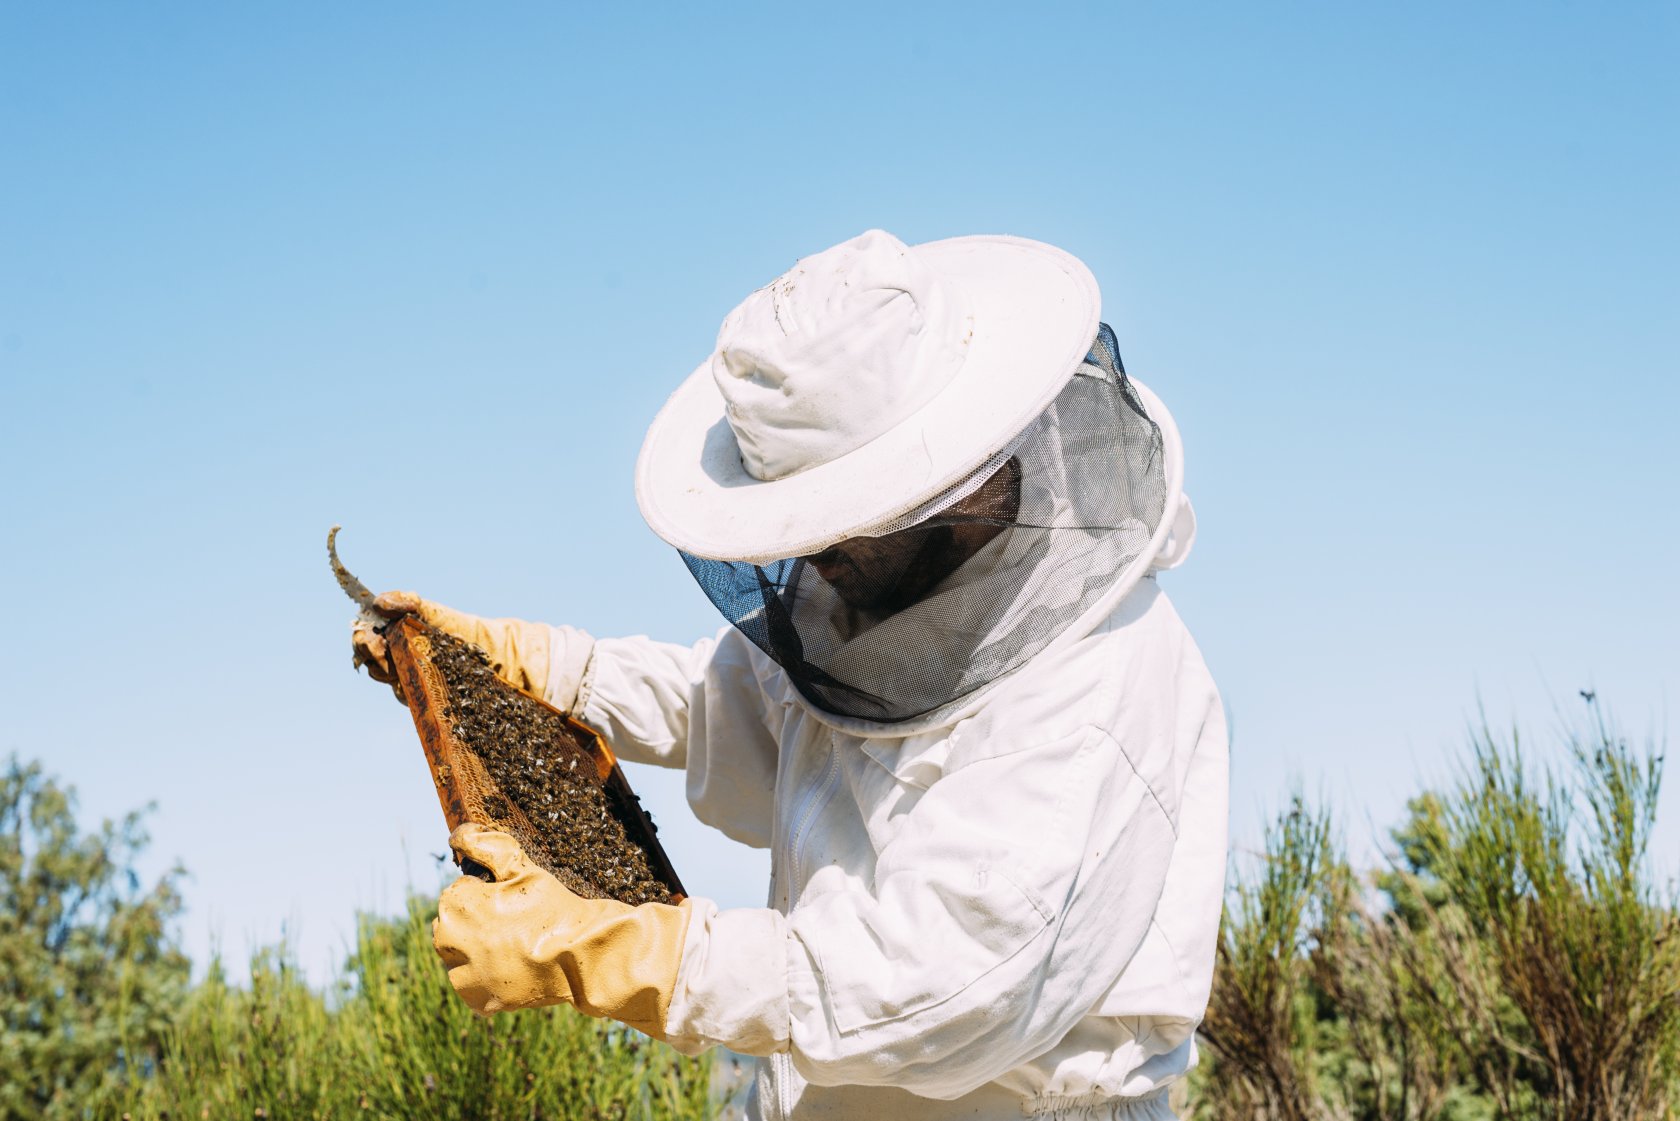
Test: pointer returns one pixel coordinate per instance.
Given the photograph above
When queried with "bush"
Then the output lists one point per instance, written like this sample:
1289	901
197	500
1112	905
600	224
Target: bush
1519	964
393	1040
97	1018
1514	961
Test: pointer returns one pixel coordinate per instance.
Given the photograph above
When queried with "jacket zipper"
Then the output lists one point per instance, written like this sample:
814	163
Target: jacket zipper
815	798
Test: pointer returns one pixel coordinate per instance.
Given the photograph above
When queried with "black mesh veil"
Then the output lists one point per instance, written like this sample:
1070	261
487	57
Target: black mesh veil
936	604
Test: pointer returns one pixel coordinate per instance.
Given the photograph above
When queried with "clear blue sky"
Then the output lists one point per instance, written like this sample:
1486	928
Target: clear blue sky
1406	276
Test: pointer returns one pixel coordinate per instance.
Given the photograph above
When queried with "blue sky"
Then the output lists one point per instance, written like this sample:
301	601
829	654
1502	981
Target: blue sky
1406	277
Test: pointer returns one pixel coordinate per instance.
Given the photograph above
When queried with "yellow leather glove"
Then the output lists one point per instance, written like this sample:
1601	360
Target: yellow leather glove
525	941
528	656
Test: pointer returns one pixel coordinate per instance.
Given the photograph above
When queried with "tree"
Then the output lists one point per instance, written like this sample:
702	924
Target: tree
90	969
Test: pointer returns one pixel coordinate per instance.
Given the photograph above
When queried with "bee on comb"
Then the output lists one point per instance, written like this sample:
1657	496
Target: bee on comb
502	758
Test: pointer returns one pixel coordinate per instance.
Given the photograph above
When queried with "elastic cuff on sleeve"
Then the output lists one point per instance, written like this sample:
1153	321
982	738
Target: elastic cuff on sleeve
732	984
586	686
570	657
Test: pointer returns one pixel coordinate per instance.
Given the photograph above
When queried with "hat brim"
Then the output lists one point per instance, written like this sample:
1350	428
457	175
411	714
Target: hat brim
1035	310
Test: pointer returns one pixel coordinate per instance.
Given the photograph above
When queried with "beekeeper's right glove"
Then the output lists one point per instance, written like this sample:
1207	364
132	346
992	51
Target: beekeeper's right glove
523	940
543	660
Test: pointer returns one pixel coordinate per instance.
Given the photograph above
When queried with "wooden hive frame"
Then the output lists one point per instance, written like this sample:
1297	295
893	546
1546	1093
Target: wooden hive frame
465	788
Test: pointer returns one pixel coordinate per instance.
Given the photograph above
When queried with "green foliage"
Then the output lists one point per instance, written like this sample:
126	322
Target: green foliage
392	1040
1518	964
1553	887
89	974
1262	1018
1515	961
97	1019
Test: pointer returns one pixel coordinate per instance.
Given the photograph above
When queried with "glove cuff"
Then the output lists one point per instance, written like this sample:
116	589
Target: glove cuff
732	987
571	658
623	963
545	661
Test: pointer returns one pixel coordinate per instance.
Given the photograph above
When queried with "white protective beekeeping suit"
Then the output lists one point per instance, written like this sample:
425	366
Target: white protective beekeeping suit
993	781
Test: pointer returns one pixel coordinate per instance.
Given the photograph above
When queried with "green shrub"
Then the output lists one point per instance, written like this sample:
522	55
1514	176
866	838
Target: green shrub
1519	962
392	1040
1262	1019
1579	997
1514	961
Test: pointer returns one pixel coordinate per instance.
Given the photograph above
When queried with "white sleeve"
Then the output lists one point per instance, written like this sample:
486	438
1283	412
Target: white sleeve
703	708
1024	882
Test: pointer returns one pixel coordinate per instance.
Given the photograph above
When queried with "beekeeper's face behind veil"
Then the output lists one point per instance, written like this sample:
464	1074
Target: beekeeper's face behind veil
906	470
886	574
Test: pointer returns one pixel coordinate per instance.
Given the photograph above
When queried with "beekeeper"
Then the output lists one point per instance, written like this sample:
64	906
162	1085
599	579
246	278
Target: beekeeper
952	701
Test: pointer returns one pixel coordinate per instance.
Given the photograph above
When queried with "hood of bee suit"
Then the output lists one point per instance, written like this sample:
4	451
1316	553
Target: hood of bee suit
882	388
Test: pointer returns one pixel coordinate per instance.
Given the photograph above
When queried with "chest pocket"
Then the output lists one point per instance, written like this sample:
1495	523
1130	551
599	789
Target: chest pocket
925	936
949	909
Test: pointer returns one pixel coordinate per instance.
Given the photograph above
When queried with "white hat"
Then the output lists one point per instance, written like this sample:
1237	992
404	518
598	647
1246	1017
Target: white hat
860	384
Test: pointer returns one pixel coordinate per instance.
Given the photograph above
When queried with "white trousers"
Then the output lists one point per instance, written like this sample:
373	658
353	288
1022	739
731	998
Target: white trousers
989	1103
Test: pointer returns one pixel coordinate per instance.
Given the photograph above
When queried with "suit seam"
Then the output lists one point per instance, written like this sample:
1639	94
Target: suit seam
1153	796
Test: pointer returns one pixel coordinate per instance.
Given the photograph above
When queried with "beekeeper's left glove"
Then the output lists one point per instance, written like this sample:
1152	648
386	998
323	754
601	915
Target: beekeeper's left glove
525	941
544	661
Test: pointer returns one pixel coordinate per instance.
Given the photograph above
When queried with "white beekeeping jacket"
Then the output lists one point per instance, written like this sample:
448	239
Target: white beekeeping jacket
1012	913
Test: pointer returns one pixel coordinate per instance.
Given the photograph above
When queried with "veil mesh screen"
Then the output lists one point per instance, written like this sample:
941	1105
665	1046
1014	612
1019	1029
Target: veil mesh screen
892	626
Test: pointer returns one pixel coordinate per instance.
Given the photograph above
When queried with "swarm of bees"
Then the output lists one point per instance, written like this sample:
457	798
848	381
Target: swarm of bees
575	825
548	792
